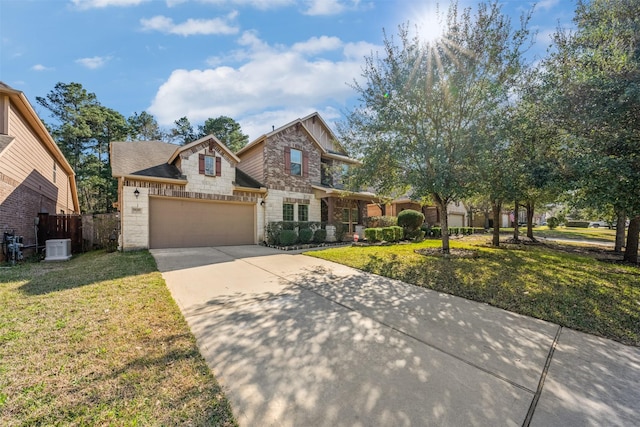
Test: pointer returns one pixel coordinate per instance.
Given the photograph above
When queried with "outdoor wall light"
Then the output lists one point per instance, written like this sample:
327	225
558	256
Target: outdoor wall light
136	193
262	203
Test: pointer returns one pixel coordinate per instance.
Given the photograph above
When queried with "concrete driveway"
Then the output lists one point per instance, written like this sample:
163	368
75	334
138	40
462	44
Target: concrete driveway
298	341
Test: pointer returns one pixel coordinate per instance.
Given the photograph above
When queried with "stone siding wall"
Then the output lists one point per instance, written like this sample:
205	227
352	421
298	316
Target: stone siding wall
275	177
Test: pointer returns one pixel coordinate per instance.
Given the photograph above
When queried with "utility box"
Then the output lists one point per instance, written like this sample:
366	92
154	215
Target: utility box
58	250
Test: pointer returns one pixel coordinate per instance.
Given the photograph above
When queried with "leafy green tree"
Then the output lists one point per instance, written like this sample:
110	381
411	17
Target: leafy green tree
70	106
106	125
227	130
144	127
596	71
183	131
424	105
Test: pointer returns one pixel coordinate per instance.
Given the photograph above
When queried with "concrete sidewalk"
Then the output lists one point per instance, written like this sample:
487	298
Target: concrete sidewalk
298	341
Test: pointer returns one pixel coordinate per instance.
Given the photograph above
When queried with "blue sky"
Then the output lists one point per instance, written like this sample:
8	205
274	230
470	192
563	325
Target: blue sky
261	62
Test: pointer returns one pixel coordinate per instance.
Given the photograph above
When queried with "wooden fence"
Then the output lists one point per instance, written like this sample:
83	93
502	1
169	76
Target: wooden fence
60	227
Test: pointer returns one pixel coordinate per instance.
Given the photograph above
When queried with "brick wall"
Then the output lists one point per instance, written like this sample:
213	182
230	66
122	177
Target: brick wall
19	206
275	177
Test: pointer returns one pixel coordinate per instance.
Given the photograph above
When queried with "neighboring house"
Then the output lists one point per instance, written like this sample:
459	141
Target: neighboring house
184	196
35	177
202	194
301	164
457	212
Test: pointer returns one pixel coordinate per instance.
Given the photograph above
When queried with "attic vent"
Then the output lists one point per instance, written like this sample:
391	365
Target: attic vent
58	250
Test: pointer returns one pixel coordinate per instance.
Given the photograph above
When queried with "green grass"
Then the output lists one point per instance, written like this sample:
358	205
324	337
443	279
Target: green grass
543	281
98	340
595	234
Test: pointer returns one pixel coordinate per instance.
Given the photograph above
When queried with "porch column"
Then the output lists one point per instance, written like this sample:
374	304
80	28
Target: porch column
330	208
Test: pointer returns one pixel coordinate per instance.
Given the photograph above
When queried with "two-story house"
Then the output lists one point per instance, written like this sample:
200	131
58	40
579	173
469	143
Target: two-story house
300	164
35	177
202	194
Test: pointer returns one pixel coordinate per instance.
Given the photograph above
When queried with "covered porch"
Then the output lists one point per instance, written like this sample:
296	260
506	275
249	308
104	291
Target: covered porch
346	208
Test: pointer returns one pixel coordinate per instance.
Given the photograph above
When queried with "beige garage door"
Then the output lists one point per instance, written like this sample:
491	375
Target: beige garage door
179	223
456	220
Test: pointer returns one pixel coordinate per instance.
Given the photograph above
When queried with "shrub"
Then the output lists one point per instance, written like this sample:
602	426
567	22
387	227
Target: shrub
398	233
414	235
320	235
410	220
288	237
388	234
419	236
373	234
553	222
381	221
581	224
436	231
305	235
341	230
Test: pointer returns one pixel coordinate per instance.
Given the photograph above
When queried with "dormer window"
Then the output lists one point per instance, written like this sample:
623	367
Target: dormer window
209	165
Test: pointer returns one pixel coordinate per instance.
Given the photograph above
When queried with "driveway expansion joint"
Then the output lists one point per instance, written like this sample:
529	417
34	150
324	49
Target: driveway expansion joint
543	376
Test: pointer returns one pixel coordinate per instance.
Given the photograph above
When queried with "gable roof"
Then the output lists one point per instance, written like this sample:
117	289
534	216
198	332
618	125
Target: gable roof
143	158
300	122
22	104
207	138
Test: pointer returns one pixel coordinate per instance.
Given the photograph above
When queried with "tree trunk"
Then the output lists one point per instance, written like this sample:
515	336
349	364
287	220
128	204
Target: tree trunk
620	227
631	251
444	222
496	207
530	208
516	229
486	213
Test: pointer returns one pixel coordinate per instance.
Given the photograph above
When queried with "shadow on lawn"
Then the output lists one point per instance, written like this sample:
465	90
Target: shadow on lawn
538	282
86	269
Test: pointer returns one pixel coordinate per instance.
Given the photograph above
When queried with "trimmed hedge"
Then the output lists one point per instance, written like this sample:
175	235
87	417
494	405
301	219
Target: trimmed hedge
373	234
398	233
580	224
305	235
381	221
320	235
410	219
288	237
388	234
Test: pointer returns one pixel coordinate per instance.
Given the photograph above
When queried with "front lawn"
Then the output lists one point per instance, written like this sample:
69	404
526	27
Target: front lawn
596	234
543	281
98	340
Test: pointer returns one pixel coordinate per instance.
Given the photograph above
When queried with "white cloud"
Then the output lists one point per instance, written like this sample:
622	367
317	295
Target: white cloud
40	67
93	62
547	4
279	79
317	44
101	4
258	4
324	7
191	26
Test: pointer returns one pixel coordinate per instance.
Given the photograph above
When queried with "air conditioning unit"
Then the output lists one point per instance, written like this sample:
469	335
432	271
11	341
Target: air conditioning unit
58	250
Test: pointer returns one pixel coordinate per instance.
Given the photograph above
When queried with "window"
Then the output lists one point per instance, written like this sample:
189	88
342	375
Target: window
287	212
209	165
296	162
303	212
350	218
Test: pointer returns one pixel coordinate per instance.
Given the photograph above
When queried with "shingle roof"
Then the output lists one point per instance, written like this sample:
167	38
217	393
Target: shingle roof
244	180
5	140
144	158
